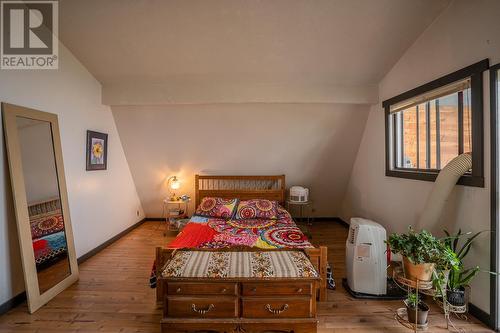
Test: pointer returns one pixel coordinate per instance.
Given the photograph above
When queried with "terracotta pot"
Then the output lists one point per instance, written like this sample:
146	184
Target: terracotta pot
423	312
421	272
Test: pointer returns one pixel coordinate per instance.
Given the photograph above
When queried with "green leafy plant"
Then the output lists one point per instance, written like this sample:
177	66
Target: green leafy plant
420	247
447	261
446	258
461	277
453	242
411	300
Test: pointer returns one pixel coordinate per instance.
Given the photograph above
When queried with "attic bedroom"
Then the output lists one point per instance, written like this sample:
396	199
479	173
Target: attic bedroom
241	166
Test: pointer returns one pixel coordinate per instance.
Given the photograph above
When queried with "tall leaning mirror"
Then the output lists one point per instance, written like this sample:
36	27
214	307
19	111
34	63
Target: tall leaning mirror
41	202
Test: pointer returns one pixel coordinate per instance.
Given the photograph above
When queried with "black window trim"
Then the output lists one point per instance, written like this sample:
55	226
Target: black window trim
475	72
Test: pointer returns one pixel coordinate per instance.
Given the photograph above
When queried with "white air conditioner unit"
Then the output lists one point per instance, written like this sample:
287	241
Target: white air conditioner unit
299	194
366	257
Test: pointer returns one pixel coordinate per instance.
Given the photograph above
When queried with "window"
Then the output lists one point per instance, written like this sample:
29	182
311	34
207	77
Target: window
430	125
430	134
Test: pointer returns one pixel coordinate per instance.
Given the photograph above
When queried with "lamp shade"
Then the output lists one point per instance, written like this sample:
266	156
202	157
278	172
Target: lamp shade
175	184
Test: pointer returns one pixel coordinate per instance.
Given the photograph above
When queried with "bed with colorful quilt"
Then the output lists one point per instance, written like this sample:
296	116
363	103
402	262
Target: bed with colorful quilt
256	223
241	213
47	232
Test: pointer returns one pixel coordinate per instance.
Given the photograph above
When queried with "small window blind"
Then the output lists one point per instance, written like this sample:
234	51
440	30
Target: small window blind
431	95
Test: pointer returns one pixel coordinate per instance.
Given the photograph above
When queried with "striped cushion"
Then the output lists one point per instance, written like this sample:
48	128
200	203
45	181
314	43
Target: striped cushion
225	264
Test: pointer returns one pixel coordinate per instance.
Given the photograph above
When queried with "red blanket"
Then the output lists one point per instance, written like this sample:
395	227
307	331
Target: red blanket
193	235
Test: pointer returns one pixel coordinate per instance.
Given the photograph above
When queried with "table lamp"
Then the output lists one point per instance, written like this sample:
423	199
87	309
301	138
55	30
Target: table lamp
174	184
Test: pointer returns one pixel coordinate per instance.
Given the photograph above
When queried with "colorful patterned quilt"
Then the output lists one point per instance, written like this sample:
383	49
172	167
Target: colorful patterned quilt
49	239
214	233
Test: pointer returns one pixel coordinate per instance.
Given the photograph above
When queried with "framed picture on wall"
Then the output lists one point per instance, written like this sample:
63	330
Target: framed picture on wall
97	151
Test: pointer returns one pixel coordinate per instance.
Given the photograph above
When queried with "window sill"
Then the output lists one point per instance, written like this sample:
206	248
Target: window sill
467	180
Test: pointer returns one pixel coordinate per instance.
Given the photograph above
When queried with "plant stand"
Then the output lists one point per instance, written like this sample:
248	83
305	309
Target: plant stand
402	317
401	314
426	287
459	311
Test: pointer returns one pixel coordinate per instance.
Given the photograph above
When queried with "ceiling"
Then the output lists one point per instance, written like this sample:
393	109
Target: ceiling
198	51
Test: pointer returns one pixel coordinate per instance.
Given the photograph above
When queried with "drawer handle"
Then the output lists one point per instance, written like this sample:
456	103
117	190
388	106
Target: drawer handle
223	290
276	311
178	290
254	289
202	311
299	290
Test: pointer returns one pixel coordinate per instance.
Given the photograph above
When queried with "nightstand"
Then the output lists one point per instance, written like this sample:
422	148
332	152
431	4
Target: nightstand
173	212
300	206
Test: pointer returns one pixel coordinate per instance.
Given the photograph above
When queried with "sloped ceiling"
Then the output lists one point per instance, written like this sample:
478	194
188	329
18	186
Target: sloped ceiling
266	86
198	51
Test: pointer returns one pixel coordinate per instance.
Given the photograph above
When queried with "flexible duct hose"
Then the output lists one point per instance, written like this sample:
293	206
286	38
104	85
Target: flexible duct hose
443	186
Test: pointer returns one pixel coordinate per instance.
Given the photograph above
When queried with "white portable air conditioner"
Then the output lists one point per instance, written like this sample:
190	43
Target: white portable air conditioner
299	194
366	257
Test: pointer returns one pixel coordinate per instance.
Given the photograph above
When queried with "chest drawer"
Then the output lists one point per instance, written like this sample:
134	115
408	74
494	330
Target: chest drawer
266	289
283	307
202	307
195	288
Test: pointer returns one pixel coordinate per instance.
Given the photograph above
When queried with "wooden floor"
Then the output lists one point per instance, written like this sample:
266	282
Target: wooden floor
113	294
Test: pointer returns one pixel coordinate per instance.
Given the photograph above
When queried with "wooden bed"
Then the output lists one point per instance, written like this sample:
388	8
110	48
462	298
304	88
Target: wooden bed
167	291
47	232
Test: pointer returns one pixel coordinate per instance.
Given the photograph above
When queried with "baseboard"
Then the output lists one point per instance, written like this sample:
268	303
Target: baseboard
482	316
322	219
150	219
12	303
107	243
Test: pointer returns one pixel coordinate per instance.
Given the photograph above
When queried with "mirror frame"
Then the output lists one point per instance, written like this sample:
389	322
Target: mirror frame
10	112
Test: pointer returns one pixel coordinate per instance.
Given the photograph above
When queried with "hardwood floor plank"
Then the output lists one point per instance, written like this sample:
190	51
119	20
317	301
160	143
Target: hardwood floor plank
113	294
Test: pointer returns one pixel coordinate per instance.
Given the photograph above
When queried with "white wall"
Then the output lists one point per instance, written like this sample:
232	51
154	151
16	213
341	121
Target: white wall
102	203
312	144
467	32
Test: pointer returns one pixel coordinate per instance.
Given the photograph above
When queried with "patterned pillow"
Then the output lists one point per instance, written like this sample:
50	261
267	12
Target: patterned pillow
216	207
283	214
257	209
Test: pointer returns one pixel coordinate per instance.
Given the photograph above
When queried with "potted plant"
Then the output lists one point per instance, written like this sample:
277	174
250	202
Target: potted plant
420	251
419	317
461	277
457	282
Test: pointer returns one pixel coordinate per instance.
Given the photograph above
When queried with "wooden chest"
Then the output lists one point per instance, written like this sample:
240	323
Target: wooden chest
246	291
239	305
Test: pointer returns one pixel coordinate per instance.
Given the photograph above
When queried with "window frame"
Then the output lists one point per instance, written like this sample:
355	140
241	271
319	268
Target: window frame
476	178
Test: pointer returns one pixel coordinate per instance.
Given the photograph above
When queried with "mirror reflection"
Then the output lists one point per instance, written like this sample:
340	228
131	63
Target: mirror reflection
44	202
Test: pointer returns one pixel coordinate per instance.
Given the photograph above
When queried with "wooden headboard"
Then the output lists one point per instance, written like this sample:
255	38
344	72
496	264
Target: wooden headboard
241	187
44	207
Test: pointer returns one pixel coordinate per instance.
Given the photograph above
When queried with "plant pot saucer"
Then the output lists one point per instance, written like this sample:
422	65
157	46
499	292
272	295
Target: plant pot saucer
402	317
